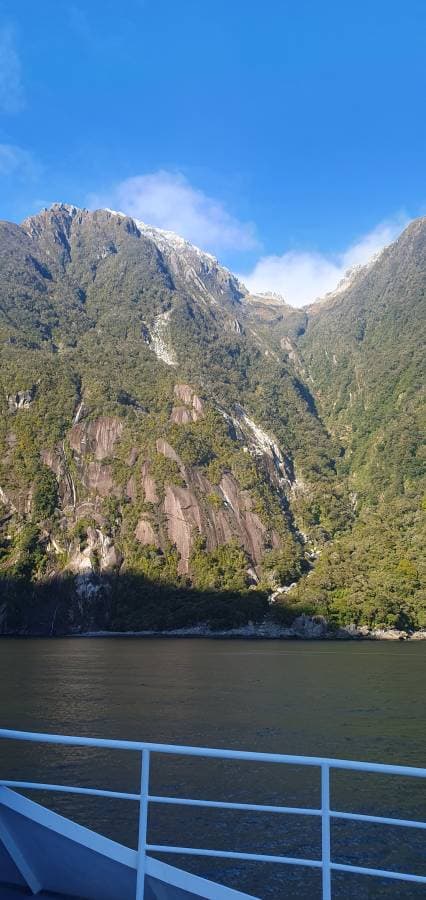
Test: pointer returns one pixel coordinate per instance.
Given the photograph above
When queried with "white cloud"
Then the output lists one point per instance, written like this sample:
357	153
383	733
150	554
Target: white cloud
18	162
168	200
11	89
302	276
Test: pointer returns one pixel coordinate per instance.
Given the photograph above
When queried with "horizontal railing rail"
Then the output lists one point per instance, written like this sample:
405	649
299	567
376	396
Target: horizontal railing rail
144	798
215	752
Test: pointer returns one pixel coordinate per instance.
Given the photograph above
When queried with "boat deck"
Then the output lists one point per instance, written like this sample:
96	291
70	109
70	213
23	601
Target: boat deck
15	893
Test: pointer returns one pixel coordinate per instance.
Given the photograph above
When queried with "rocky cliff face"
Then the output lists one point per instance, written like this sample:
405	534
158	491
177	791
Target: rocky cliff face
85	465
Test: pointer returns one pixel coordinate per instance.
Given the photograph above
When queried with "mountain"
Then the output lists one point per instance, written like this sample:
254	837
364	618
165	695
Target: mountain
364	350
174	449
364	357
148	431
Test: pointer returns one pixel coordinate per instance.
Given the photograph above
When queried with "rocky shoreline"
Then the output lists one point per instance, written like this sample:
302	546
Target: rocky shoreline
303	628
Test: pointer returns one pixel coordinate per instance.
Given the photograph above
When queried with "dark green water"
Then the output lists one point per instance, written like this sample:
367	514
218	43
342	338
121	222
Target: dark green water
358	701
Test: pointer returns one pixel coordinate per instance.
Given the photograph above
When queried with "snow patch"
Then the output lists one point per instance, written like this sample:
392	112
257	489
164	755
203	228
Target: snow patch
350	277
167	239
183	257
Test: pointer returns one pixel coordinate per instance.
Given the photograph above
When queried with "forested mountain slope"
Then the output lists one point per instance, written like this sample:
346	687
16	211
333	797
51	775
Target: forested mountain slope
364	351
146	429
173	449
364	356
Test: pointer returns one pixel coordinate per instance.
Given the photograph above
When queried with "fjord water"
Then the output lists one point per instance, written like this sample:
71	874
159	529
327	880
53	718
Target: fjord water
352	700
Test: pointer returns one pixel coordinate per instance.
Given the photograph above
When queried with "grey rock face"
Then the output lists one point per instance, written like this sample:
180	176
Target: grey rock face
98	436
21	400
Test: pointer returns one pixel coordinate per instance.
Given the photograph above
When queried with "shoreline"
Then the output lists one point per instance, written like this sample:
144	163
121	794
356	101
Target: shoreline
241	634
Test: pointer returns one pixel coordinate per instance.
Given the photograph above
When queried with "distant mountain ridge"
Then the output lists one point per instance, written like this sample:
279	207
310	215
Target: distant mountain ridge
174	448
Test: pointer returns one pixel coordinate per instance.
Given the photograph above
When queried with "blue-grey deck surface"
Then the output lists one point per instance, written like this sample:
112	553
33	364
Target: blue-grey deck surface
153	891
15	893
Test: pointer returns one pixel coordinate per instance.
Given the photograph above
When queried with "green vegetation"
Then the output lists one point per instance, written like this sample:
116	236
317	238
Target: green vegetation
45	494
375	575
223	569
365	353
30	556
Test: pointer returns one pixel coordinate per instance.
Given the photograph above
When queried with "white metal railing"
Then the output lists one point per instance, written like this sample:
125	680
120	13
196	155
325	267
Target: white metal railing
144	798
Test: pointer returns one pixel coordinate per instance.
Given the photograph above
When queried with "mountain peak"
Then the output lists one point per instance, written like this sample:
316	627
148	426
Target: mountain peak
163	235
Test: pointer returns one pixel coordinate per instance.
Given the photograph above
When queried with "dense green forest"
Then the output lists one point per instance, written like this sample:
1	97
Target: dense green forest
365	353
174	450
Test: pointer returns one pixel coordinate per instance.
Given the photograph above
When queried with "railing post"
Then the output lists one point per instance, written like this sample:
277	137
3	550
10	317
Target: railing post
143	825
325	822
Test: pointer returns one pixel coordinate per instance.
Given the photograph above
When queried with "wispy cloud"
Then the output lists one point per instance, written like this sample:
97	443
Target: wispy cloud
15	161
168	200
11	87
302	276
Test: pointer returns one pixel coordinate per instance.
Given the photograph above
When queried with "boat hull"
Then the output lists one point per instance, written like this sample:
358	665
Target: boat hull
41	851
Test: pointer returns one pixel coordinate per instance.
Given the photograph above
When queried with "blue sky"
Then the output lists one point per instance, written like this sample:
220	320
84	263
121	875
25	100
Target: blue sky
286	137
